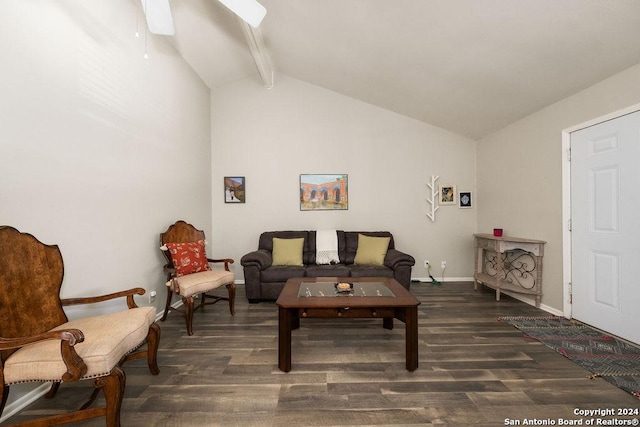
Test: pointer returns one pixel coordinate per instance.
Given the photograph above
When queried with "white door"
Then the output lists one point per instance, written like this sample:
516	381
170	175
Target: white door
605	218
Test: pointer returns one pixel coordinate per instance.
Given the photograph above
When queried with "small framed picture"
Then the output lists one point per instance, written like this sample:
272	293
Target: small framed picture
447	194
465	199
234	191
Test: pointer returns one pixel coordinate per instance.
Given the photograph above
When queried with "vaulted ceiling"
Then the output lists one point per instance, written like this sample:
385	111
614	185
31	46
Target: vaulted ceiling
469	66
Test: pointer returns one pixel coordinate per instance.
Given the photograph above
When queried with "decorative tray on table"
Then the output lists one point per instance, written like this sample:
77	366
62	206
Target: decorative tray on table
343	287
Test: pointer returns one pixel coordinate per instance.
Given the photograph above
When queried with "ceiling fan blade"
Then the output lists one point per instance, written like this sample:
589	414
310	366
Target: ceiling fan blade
249	11
159	18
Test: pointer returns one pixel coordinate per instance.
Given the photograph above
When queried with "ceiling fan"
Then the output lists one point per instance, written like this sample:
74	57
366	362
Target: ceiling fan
160	20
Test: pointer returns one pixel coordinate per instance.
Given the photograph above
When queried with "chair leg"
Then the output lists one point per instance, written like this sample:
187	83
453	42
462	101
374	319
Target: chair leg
112	386
188	303
53	390
153	340
167	306
231	287
92	399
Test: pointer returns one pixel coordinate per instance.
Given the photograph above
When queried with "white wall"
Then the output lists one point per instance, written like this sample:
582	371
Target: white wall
100	149
273	136
520	171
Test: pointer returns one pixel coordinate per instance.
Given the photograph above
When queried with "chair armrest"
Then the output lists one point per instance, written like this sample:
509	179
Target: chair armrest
129	293
395	259
76	367
226	261
260	258
73	336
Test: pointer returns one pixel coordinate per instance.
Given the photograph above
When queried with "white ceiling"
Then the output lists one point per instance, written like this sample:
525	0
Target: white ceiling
469	66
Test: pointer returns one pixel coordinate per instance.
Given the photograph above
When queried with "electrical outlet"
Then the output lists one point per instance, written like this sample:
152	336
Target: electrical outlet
152	296
426	264
444	265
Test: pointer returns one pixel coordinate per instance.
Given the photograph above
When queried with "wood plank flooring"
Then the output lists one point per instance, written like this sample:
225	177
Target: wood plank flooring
473	370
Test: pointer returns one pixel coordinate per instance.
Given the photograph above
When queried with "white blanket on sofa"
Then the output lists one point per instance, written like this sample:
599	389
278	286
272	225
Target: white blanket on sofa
327	247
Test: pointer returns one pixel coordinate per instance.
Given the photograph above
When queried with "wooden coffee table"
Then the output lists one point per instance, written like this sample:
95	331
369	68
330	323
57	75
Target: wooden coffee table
311	297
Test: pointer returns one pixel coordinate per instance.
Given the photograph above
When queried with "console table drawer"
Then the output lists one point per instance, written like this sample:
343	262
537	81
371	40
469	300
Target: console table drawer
506	246
359	313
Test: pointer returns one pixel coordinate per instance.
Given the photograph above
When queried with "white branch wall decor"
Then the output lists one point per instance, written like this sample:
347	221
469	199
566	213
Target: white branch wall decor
433	200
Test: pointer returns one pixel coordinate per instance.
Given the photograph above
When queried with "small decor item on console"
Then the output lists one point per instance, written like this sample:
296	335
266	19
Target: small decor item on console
497	232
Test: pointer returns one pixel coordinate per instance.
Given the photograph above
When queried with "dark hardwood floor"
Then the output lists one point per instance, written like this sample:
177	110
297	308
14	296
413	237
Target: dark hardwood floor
473	370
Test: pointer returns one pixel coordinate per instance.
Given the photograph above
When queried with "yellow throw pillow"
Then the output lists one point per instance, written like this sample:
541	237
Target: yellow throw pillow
287	251
371	250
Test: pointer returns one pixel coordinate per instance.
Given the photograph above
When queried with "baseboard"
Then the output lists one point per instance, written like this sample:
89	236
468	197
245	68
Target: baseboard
532	301
24	401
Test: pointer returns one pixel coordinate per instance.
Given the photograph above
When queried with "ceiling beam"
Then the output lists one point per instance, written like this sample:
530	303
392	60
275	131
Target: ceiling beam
259	53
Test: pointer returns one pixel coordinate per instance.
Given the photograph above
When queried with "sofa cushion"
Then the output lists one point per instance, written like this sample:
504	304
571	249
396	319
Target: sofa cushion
333	270
348	255
282	273
371	250
287	251
266	242
108	338
371	271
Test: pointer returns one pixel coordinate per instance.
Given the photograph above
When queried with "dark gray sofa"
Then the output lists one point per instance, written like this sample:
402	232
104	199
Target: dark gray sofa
264	281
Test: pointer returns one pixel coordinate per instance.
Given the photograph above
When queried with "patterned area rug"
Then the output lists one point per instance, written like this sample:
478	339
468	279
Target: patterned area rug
604	356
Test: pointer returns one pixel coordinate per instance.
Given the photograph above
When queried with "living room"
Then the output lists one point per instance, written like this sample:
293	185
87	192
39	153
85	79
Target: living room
102	149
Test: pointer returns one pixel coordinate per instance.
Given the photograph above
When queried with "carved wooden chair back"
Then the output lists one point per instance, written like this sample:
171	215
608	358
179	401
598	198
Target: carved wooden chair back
30	280
180	232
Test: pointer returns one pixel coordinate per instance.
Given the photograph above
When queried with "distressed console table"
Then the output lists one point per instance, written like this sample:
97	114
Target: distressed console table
509	264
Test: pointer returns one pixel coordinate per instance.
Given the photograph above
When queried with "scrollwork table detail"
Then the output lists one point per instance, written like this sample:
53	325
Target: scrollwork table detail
509	264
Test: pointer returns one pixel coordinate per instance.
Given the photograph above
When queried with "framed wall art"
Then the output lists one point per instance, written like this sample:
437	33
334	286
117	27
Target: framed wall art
447	194
465	199
324	192
234	191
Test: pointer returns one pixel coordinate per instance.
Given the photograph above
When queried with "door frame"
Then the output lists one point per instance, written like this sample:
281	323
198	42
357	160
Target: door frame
566	200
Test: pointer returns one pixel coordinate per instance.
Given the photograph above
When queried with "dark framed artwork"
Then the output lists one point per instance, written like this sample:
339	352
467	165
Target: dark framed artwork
234	189
465	199
324	192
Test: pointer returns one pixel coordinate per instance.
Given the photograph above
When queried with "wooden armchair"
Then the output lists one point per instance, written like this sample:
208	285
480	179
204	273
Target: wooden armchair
188	271
38	343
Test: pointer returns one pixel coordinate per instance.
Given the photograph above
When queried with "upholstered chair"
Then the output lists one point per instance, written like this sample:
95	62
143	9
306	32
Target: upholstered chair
39	344
189	273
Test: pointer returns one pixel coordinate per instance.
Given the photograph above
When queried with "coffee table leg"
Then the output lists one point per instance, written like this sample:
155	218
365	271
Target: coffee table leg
411	325
387	322
284	339
295	320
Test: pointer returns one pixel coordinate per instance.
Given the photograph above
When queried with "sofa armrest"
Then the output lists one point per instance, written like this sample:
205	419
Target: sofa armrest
395	259
260	258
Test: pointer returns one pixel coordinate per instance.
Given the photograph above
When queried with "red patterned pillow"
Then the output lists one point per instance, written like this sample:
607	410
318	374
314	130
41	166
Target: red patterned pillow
188	257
